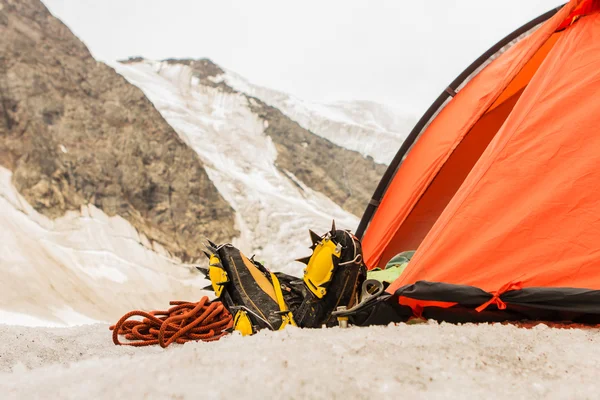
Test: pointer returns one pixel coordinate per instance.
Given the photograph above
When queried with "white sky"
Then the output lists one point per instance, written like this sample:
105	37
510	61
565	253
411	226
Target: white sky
396	52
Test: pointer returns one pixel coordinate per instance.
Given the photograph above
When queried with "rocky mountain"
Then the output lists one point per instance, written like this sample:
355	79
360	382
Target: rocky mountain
345	176
74	132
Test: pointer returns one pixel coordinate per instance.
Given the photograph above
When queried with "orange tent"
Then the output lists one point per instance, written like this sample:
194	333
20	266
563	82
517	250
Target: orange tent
498	185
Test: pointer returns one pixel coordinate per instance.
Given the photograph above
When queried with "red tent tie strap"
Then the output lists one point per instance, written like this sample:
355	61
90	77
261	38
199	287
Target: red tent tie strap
204	320
496	296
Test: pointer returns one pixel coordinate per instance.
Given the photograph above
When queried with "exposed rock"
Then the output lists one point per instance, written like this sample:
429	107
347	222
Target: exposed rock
345	176
203	68
206	71
75	132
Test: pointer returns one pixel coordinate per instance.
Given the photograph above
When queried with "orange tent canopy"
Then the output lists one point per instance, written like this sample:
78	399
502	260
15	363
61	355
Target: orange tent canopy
500	192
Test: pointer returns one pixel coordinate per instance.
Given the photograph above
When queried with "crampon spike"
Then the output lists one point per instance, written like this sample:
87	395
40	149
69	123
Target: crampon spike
211	247
304	260
314	238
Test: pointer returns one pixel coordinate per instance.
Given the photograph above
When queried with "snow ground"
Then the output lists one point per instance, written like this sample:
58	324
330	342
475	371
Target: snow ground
404	361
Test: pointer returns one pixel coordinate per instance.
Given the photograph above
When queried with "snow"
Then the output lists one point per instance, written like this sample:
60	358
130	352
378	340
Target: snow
14	318
72	317
273	209
404	361
110	273
66	314
82	268
366	127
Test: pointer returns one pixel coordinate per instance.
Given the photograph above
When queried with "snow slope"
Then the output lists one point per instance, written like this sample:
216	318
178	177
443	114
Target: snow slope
81	268
369	128
273	209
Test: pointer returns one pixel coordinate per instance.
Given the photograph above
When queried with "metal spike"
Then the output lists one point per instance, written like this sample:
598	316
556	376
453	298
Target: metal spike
209	287
203	270
333	227
304	260
211	247
212	244
314	237
206	254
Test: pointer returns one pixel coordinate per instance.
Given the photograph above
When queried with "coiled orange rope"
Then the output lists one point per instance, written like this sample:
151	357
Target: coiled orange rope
204	320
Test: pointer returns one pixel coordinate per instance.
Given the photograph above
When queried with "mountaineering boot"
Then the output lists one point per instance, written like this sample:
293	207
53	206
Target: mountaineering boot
251	293
258	298
332	278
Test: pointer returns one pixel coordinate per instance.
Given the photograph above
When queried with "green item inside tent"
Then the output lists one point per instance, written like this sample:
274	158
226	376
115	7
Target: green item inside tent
393	269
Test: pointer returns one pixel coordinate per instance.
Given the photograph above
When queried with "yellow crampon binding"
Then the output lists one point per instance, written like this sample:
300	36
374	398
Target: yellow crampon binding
217	275
242	323
286	315
320	267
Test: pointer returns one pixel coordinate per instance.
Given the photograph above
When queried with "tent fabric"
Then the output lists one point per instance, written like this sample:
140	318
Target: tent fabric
513	163
453	172
445	184
582	8
443	136
529	211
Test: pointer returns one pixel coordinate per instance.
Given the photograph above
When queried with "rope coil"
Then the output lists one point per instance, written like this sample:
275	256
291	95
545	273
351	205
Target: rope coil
185	322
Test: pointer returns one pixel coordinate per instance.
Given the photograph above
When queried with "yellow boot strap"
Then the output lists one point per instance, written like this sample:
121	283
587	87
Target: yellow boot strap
217	275
242	323
286	317
320	267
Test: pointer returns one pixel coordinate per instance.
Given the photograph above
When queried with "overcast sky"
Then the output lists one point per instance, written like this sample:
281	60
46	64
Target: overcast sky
395	52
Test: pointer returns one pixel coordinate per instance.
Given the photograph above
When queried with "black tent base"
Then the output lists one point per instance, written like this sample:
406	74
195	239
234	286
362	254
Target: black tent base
558	305
458	315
